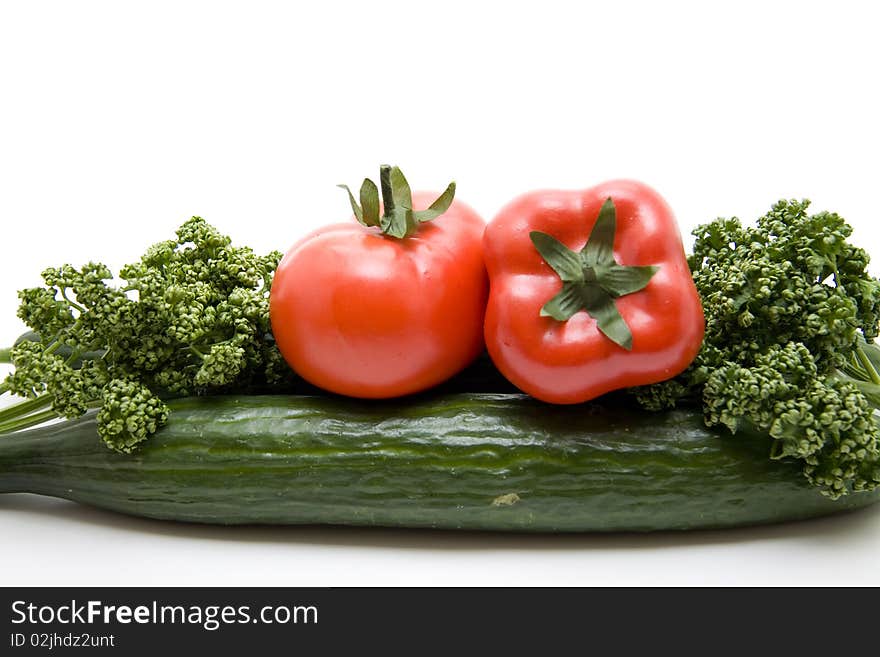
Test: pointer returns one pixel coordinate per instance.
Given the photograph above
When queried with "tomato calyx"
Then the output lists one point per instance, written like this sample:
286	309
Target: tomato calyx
592	279
398	218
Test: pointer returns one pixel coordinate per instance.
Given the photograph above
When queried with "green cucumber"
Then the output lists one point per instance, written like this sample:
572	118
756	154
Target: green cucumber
464	461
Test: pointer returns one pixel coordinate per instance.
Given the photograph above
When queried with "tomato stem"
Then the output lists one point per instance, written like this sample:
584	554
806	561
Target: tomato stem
398	219
387	191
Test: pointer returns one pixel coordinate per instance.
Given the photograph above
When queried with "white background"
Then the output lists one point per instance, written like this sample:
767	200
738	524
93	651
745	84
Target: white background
120	120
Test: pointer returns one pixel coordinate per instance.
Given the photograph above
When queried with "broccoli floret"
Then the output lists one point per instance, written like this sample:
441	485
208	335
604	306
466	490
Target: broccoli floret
662	396
790	278
789	309
825	421
190	317
129	414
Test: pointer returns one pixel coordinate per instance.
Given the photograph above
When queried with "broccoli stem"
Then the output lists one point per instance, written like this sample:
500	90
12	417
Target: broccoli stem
72	304
6	356
26	407
868	365
27	422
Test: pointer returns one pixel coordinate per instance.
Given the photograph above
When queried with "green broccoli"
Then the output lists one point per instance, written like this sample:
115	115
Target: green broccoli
192	317
790	313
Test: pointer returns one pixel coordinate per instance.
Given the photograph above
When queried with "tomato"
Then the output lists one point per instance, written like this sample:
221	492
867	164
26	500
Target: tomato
590	292
360	312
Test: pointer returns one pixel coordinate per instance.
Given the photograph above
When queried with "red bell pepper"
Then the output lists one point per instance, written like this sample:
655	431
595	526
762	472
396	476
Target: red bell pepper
590	292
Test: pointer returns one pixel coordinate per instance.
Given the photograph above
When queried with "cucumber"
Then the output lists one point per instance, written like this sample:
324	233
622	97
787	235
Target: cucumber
458	461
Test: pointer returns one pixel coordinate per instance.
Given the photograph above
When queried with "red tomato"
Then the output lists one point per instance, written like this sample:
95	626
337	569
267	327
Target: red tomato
364	314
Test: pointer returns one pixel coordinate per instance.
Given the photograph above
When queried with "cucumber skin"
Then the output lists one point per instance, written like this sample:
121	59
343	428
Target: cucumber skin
449	462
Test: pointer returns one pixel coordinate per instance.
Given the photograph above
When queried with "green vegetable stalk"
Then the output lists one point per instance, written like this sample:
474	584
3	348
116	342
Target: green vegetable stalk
790	315
192	317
